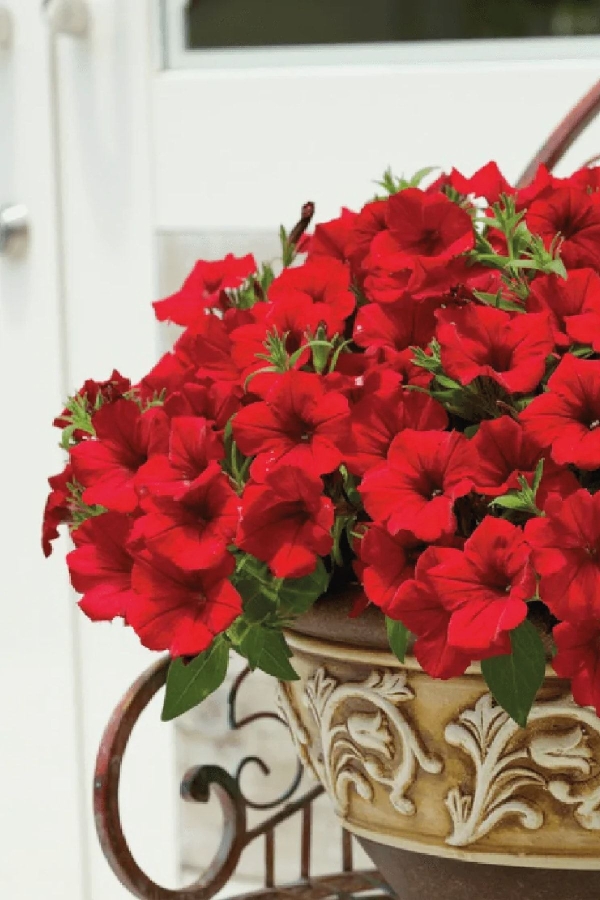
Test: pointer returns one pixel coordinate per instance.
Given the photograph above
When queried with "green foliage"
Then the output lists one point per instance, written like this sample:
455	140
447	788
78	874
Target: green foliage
78	416
391	184
398	636
80	511
525	252
267	649
235	464
269	604
514	680
188	685
522	501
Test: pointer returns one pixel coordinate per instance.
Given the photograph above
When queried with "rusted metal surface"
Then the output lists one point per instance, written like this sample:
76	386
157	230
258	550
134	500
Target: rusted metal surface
198	785
573	124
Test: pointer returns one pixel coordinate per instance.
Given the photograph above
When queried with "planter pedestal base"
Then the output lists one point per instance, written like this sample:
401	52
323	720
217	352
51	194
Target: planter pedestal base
415	876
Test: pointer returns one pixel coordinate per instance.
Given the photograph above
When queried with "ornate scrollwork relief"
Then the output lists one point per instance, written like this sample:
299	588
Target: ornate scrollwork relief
363	738
507	759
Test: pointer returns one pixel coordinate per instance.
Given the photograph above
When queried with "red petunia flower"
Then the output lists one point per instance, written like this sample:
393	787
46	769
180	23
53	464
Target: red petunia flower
125	439
416	488
419	606
193	527
209	351
215	401
290	318
501	451
488	182
574	216
573	305
178	611
370	221
421	225
205	289
566	554
192	446
101	565
486	586
566	418
299	424
481	340
387	562
96	393
331	238
378	417
394	329
578	658
325	283
286	522
57	509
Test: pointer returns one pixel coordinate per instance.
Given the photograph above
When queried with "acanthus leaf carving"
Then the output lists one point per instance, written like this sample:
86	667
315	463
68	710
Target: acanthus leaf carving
363	738
507	759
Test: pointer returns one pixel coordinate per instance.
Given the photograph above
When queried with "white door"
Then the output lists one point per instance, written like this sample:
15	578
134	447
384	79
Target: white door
165	152
41	812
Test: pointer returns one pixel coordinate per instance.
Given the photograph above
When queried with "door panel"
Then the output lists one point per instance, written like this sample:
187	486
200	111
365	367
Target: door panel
244	148
41	798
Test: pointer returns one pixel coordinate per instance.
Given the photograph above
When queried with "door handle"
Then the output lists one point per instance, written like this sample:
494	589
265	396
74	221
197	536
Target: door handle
5	28
14	229
68	16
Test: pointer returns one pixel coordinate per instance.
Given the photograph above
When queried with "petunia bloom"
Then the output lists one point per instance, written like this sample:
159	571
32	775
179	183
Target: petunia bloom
178	611
193	527
330	239
567	417
421	226
578	658
416	488
573	215
298	424
387	562
379	416
56	510
125	439
286	522
192	446
566	554
205	289
325	284
482	341
421	608
486	585
572	304
501	451
100	566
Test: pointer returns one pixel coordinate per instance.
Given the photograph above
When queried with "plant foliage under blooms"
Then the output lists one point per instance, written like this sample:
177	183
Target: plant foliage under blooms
408	402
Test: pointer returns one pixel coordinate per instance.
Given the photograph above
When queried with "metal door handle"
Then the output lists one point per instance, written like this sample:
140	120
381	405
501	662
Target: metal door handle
68	16
5	29
14	229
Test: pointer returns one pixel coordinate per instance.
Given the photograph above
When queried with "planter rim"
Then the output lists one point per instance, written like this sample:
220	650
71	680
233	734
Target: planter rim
347	652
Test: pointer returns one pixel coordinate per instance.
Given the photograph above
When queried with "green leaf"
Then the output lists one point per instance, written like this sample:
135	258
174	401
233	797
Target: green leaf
188	685
398	635
296	595
537	477
514	680
510	501
268	650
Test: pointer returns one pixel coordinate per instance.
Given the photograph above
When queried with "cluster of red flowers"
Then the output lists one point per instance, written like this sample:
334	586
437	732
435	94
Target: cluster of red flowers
411	405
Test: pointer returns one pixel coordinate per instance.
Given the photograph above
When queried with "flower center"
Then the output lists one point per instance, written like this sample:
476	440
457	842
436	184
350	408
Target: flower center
594	424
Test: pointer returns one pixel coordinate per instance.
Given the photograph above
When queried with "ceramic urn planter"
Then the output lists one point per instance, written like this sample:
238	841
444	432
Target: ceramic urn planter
445	792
